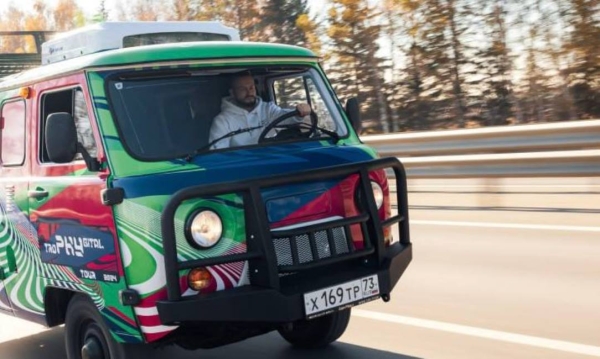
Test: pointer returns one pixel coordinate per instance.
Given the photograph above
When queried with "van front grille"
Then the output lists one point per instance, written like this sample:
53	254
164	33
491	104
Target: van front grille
311	247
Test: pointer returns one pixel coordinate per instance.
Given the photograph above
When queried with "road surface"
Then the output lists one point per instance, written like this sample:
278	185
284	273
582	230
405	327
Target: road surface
501	269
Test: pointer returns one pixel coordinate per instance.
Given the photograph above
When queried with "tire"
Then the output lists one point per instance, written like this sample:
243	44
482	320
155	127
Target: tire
86	334
318	332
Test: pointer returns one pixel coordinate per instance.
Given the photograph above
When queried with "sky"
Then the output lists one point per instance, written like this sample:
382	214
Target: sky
90	7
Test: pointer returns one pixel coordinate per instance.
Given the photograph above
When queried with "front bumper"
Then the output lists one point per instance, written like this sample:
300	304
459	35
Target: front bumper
273	296
256	304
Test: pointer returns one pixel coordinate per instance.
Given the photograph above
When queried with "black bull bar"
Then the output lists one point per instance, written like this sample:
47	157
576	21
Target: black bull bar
265	299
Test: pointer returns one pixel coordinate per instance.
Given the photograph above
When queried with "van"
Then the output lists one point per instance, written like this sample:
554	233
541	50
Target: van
123	218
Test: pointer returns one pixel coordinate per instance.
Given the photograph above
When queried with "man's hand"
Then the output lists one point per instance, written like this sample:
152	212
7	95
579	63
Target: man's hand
303	109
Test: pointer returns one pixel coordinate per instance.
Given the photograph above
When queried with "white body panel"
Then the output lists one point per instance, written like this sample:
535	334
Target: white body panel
110	35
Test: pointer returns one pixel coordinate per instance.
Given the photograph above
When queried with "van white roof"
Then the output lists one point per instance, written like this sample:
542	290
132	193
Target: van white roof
115	35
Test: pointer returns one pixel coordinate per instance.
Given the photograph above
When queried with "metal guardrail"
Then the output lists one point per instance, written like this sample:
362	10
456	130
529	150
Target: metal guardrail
541	150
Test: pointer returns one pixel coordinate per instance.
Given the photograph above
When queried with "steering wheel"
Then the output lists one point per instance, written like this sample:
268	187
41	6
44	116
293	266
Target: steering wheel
290	130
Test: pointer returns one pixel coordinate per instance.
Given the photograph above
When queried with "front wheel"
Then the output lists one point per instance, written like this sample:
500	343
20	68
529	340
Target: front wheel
316	333
86	334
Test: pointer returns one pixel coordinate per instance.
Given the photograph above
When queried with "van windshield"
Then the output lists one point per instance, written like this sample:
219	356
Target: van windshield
180	114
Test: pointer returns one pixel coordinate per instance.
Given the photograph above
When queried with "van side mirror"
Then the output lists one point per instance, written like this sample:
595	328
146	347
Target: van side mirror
60	137
61	141
353	112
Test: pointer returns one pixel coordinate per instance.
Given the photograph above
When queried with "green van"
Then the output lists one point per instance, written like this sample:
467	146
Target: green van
121	218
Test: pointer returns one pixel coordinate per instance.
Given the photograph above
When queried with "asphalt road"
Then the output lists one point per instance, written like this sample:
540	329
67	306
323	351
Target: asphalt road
501	269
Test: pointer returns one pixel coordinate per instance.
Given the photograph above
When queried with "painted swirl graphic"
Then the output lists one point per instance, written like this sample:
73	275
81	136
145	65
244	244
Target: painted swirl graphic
28	277
139	231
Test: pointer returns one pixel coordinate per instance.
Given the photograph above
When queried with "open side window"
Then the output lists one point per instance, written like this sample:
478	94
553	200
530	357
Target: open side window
71	101
303	87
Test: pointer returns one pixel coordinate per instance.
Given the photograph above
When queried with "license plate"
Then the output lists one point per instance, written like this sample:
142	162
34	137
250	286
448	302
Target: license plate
349	293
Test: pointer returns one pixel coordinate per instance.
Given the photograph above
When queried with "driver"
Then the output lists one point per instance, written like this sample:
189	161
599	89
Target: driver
243	109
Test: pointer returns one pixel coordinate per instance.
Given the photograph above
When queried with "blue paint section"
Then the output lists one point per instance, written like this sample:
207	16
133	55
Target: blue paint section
242	165
101	106
283	201
112	138
89	251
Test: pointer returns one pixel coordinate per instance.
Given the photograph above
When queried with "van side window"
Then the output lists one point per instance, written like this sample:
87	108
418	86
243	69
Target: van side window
85	135
72	102
289	91
13	133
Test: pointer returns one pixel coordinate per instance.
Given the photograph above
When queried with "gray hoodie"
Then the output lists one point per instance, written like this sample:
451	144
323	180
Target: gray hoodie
233	118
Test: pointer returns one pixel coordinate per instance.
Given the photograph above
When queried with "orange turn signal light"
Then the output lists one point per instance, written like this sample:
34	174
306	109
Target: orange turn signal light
388	236
199	278
25	92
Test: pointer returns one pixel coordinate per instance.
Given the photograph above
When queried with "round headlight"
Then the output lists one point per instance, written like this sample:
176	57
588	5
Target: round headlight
204	229
377	193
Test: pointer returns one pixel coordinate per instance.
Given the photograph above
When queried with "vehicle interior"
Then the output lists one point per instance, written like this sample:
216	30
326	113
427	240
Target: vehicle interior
175	109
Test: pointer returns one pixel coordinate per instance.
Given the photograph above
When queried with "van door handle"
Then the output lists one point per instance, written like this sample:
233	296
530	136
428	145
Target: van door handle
37	194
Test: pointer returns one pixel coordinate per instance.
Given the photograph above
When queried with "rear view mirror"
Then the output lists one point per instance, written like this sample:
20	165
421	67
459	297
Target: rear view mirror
61	141
61	137
353	112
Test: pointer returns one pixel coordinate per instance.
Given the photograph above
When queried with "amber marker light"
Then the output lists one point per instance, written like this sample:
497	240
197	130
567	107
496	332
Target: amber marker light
25	92
388	236
199	278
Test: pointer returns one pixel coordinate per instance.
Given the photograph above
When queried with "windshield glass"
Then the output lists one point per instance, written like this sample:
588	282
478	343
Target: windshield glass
167	115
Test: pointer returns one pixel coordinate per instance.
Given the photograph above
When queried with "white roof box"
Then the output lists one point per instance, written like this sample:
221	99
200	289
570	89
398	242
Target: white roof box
115	35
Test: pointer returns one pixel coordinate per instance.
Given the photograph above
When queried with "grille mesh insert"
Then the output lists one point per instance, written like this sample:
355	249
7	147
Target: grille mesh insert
285	245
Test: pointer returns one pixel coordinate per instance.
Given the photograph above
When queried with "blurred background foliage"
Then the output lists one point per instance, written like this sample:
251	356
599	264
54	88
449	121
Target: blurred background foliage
414	65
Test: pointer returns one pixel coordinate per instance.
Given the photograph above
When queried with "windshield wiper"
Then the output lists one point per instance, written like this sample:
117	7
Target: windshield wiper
191	156
334	135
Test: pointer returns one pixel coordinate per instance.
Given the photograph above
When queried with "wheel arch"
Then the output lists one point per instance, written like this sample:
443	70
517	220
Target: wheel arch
56	302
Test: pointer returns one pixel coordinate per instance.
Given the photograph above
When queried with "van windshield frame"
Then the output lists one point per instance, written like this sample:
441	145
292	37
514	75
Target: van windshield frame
167	114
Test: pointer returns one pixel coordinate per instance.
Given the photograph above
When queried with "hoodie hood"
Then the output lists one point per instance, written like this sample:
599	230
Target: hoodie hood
229	108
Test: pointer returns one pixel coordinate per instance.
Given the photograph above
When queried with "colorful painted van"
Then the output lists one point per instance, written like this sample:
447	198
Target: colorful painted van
120	218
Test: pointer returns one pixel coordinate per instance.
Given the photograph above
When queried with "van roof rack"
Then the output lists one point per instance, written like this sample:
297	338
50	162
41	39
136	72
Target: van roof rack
115	35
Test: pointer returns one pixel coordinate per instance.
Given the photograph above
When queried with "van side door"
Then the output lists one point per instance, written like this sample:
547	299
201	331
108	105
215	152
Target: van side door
15	230
76	231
